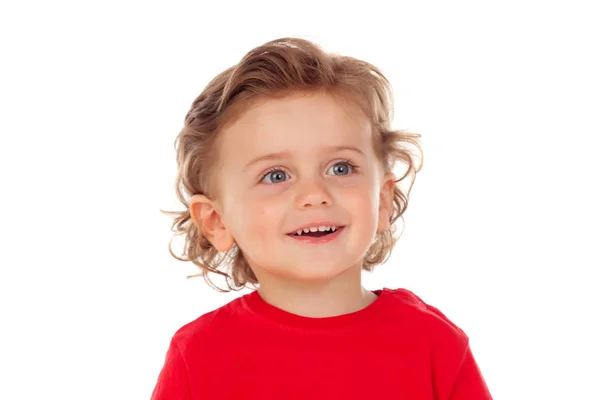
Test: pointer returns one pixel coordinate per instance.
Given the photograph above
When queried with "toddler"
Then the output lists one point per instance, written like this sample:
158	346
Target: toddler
286	172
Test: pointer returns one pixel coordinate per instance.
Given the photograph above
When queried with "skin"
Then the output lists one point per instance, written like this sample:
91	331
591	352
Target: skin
312	183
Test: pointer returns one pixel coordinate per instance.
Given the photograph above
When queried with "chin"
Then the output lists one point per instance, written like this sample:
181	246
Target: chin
315	272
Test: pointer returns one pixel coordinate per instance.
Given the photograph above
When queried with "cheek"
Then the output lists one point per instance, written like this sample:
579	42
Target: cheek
261	216
362	201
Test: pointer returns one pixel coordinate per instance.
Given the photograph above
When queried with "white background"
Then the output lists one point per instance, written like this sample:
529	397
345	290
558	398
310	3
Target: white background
502	226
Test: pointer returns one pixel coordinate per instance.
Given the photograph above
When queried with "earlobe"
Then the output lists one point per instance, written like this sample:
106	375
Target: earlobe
209	222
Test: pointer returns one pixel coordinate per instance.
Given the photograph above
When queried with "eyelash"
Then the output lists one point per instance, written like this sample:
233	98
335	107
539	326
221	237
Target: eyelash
273	169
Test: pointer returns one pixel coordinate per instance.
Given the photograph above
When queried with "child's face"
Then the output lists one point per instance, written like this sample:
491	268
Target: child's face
262	202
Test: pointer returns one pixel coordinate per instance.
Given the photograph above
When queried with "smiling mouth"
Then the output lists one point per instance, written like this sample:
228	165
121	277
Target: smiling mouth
315	234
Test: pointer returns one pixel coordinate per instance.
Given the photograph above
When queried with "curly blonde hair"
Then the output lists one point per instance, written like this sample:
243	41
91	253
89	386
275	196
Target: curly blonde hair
275	68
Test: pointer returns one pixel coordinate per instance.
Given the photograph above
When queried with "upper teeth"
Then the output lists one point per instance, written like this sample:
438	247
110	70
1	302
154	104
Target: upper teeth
321	228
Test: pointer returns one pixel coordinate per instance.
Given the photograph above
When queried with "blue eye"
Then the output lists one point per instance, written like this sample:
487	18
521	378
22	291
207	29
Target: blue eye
342	168
276	176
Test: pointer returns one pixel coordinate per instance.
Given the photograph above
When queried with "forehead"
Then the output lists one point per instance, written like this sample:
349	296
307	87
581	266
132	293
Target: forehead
301	123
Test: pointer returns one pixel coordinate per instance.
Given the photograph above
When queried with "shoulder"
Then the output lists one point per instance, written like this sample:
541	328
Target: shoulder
209	326
422	318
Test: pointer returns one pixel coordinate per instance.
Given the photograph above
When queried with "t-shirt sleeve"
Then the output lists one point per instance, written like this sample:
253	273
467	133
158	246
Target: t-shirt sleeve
173	381
458	375
469	383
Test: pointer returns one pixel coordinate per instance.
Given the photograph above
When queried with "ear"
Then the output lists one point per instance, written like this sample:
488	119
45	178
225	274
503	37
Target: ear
207	218
386	202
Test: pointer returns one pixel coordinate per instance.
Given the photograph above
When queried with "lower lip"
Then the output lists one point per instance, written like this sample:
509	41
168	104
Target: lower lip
318	240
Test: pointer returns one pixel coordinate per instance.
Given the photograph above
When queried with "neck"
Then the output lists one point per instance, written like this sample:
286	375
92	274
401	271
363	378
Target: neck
340	295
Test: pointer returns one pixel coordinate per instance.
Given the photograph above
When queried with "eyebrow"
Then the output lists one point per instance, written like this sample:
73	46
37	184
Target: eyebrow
287	154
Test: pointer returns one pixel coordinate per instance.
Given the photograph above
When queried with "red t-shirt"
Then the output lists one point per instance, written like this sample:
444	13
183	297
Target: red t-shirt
396	348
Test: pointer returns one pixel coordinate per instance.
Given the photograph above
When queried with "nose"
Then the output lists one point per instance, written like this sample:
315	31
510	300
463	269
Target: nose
312	193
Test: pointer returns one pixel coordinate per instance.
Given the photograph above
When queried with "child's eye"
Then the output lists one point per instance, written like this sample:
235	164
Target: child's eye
342	168
276	176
